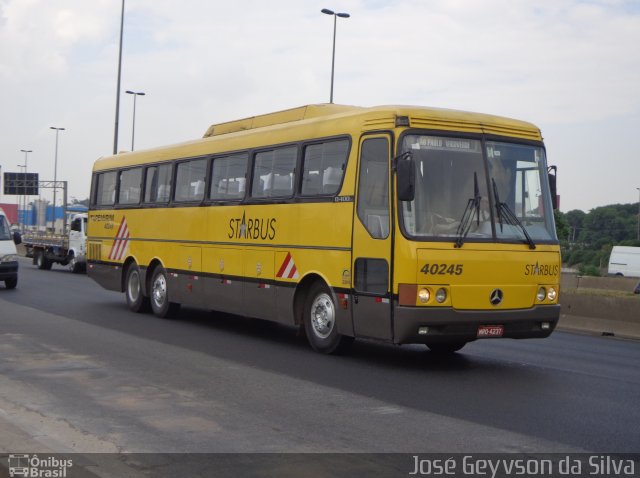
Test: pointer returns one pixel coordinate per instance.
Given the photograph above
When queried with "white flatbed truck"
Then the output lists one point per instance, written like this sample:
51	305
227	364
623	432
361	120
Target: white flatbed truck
67	250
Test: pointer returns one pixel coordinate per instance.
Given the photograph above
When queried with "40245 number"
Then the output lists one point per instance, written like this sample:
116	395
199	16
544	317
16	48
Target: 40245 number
442	269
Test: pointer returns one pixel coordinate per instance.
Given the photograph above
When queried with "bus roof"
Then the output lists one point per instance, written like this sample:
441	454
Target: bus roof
362	118
294	114
446	118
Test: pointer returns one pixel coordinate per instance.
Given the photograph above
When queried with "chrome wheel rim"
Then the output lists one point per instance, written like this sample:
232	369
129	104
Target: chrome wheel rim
323	315
159	290
133	286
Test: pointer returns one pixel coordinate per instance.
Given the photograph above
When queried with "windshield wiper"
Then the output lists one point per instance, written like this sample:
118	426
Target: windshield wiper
505	214
473	206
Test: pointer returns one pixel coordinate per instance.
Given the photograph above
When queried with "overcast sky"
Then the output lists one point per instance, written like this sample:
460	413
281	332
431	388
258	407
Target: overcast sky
572	67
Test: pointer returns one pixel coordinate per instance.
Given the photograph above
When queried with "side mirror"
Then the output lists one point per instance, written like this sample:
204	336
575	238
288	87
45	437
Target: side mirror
17	238
552	186
405	178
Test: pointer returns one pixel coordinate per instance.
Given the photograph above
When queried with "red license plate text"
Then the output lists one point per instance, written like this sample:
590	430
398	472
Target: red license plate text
486	331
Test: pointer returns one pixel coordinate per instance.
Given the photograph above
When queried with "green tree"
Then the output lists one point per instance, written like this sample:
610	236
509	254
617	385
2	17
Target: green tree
593	234
562	226
608	224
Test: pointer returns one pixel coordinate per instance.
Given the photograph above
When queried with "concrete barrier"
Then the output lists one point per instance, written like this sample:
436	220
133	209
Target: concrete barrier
592	312
573	281
600	305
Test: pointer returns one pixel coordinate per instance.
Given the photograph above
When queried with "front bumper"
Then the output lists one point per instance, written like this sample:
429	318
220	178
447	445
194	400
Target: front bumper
451	325
8	270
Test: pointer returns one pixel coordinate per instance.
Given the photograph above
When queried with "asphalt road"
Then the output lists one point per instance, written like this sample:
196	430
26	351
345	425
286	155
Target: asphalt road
80	373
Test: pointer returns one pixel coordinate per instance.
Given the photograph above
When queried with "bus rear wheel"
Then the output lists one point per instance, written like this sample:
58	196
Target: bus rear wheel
160	303
320	322
136	301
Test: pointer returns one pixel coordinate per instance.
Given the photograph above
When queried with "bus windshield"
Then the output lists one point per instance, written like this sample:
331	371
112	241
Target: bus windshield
465	191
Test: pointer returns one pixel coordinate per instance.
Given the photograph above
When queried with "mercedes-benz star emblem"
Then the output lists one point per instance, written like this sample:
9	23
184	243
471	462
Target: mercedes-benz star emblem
496	297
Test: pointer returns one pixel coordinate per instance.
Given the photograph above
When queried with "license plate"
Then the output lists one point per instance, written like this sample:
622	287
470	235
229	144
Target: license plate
486	331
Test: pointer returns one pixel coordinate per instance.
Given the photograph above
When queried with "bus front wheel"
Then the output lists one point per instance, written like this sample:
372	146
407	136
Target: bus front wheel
160	303
446	348
320	321
136	301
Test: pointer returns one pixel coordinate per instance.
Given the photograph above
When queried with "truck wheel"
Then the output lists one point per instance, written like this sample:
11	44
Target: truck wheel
75	266
160	303
136	301
320	321
11	283
42	262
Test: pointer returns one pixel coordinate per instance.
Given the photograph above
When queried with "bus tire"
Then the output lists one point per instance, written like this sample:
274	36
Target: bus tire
446	348
320	321
159	295
42	262
136	301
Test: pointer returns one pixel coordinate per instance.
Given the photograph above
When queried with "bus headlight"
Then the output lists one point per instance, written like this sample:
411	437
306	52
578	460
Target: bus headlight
542	293
441	295
424	295
552	295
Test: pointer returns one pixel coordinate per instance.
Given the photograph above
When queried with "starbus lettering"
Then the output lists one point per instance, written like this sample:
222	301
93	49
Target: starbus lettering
538	269
252	228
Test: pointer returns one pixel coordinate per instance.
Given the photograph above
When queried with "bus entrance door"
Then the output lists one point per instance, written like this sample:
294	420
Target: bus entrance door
372	241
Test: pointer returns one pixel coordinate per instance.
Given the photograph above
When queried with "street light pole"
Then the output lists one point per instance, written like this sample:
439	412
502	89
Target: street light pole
24	196
638	213
333	54
133	129
115	133
55	176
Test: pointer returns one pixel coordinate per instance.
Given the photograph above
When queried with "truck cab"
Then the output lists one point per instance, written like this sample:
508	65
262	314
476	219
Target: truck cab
8	253
77	252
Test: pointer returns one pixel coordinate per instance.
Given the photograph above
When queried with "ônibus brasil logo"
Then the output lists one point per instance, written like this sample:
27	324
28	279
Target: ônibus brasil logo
32	466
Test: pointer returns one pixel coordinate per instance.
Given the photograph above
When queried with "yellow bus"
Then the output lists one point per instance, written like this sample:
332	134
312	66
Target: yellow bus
403	224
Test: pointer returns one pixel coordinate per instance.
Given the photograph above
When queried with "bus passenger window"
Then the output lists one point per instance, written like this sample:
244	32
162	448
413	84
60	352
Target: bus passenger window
158	184
130	183
324	166
106	189
273	173
228	177
190	180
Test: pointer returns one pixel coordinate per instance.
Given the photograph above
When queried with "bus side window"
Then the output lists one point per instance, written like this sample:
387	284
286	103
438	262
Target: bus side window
273	172
324	166
158	184
130	183
228	177
106	189
190	180
151	184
